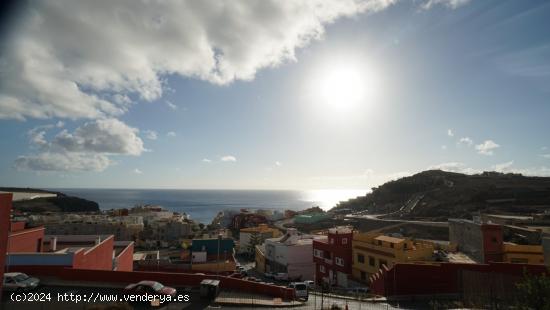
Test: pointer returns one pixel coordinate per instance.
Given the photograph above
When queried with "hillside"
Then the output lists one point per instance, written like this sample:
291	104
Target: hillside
437	194
61	203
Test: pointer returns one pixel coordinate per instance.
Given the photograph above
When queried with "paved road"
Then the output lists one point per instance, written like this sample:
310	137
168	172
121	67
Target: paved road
376	218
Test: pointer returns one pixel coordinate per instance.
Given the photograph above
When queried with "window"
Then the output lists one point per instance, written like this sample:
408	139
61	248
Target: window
379	242
371	261
331	240
363	275
344	240
339	261
391	245
317	253
321	268
360	258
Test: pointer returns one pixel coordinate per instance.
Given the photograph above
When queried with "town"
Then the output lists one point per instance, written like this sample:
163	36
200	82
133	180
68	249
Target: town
277	257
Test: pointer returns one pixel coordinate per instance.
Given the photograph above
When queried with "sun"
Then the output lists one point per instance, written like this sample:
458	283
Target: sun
343	87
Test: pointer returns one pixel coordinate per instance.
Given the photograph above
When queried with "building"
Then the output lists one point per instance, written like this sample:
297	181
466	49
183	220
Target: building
484	243
213	255
333	257
372	251
546	250
477	283
5	210
291	254
22	239
257	235
73	251
481	241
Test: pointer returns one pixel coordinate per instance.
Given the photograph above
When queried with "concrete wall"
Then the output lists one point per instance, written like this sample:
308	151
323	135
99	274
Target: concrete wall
5	210
125	259
100	257
26	240
468	237
123	278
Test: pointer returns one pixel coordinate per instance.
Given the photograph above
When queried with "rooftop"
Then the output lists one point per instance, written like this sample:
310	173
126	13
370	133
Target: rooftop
389	239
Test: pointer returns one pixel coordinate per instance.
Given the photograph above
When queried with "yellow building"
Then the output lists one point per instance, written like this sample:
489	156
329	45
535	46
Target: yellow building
525	254
262	231
372	250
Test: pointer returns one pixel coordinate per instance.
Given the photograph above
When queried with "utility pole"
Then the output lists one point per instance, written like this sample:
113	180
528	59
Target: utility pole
218	261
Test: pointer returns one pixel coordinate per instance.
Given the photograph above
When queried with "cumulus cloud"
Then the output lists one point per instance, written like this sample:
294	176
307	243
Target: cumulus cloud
137	171
228	158
278	164
49	161
545	156
151	134
504	167
78	59
452	4
450	133
206	160
487	147
465	141
87	148
170	134
454	167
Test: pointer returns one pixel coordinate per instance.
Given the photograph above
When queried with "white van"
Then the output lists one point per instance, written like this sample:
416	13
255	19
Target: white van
301	289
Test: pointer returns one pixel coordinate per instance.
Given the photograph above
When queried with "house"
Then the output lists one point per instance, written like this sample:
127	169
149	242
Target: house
291	254
372	251
484	243
214	255
333	257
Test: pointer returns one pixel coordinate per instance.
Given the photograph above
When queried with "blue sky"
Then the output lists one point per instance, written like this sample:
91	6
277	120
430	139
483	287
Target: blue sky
451	84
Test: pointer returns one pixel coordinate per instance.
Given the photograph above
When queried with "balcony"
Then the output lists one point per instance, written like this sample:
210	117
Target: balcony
328	261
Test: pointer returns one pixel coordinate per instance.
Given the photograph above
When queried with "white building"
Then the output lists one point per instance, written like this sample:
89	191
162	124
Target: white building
291	254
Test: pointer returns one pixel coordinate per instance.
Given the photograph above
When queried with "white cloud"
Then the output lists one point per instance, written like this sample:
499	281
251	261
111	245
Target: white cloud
545	156
487	147
228	158
544	148
137	171
206	160
151	134
278	164
465	141
87	148
49	161
504	167
109	136
170	134
451	4
443	147
450	133
79	59
454	167
171	105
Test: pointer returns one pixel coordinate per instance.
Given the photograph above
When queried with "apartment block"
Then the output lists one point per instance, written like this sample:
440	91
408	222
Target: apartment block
333	257
262	232
372	251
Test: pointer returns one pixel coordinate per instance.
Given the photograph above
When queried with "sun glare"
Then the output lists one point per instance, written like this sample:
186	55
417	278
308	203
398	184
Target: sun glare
343	87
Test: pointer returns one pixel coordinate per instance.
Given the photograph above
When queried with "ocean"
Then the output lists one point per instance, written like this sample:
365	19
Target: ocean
203	205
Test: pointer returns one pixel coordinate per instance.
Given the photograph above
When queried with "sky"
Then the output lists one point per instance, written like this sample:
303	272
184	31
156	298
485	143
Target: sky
313	94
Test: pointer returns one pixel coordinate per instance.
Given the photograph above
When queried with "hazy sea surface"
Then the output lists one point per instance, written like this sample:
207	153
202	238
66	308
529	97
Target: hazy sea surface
203	205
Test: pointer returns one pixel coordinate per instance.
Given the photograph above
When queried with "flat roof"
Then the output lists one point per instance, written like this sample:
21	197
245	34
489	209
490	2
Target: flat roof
389	239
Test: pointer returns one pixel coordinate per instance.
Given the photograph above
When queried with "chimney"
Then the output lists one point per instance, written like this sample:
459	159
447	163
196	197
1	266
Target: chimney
53	244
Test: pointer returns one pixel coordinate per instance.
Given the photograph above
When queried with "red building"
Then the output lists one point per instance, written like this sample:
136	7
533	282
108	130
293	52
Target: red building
469	281
5	209
333	258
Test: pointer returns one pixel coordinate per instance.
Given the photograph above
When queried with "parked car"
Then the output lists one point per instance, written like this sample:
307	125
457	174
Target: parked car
18	281
301	289
269	275
150	287
359	290
281	276
310	283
